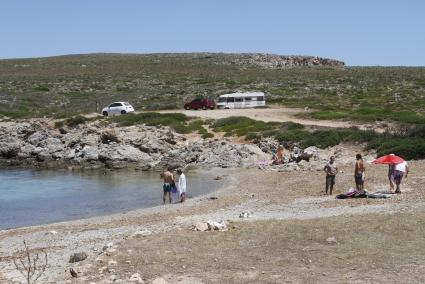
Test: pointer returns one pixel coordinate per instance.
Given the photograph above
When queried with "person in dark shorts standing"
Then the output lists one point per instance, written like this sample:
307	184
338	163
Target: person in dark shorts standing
400	170
331	170
359	172
168	181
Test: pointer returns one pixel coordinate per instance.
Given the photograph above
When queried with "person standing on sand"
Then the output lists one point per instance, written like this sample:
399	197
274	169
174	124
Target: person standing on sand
168	181
400	170
359	172
331	170
182	185
391	168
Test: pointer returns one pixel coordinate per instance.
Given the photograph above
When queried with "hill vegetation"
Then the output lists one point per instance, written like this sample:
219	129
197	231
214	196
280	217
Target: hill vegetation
66	85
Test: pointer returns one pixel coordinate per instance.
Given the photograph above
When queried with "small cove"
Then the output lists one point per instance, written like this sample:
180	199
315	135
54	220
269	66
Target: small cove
35	197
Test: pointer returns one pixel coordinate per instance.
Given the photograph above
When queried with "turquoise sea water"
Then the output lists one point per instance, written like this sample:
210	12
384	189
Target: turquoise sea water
34	197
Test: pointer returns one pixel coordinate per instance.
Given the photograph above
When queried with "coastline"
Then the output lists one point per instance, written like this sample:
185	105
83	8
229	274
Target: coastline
265	195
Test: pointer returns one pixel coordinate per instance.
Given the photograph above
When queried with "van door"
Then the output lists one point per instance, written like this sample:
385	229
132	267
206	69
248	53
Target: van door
248	102
230	102
239	102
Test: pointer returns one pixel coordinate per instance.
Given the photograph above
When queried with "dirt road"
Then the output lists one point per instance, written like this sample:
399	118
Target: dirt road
279	114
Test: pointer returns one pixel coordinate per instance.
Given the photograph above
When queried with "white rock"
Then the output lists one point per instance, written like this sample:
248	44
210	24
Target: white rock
159	280
200	226
331	240
220	226
112	263
142	233
136	278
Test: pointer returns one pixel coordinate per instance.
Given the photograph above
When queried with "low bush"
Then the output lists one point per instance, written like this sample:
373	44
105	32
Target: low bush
151	119
241	125
161	106
408	142
178	121
207	135
369	114
42	89
72	121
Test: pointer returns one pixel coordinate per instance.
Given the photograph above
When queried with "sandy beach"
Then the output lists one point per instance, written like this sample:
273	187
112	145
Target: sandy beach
260	208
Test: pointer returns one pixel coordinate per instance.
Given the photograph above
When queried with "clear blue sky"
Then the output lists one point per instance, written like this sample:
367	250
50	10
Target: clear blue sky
360	32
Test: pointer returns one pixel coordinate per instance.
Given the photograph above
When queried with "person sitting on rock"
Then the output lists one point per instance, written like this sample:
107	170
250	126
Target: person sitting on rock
277	158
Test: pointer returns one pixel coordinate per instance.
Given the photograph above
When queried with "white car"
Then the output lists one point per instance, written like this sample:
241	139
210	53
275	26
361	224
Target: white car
117	108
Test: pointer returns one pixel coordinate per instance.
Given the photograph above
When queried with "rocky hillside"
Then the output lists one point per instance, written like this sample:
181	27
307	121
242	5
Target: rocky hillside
67	85
73	84
272	61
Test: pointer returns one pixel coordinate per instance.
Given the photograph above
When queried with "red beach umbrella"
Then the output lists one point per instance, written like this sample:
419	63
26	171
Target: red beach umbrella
389	159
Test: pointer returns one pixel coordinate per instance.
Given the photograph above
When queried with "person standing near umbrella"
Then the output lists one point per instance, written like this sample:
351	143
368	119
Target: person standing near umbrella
400	170
331	170
392	161
391	168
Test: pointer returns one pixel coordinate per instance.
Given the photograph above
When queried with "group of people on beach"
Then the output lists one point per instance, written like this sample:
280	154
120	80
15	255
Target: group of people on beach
170	187
395	174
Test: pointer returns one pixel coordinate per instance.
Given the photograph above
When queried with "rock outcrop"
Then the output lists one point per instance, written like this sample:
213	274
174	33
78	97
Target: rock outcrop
273	61
36	143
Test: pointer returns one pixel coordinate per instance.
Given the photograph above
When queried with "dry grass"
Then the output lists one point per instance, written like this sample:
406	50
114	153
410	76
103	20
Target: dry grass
370	248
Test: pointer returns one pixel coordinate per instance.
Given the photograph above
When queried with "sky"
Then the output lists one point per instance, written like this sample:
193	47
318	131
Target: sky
359	32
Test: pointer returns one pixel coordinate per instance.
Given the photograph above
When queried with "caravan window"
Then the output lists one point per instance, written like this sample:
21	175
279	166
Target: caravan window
222	100
230	100
248	99
260	98
238	100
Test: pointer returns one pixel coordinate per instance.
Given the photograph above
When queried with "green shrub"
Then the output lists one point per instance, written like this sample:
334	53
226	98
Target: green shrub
178	121
72	121
328	115
241	125
207	135
150	119
161	106
407	148
42	88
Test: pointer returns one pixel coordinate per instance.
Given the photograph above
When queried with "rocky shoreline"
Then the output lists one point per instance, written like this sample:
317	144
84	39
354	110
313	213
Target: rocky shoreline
37	143
96	145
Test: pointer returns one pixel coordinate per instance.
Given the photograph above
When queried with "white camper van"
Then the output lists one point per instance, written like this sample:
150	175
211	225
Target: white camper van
241	100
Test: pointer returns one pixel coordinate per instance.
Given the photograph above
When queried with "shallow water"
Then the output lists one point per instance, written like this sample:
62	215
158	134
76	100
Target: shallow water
34	197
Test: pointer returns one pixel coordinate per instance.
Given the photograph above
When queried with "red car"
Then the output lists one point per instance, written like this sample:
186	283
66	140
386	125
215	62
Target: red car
200	104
